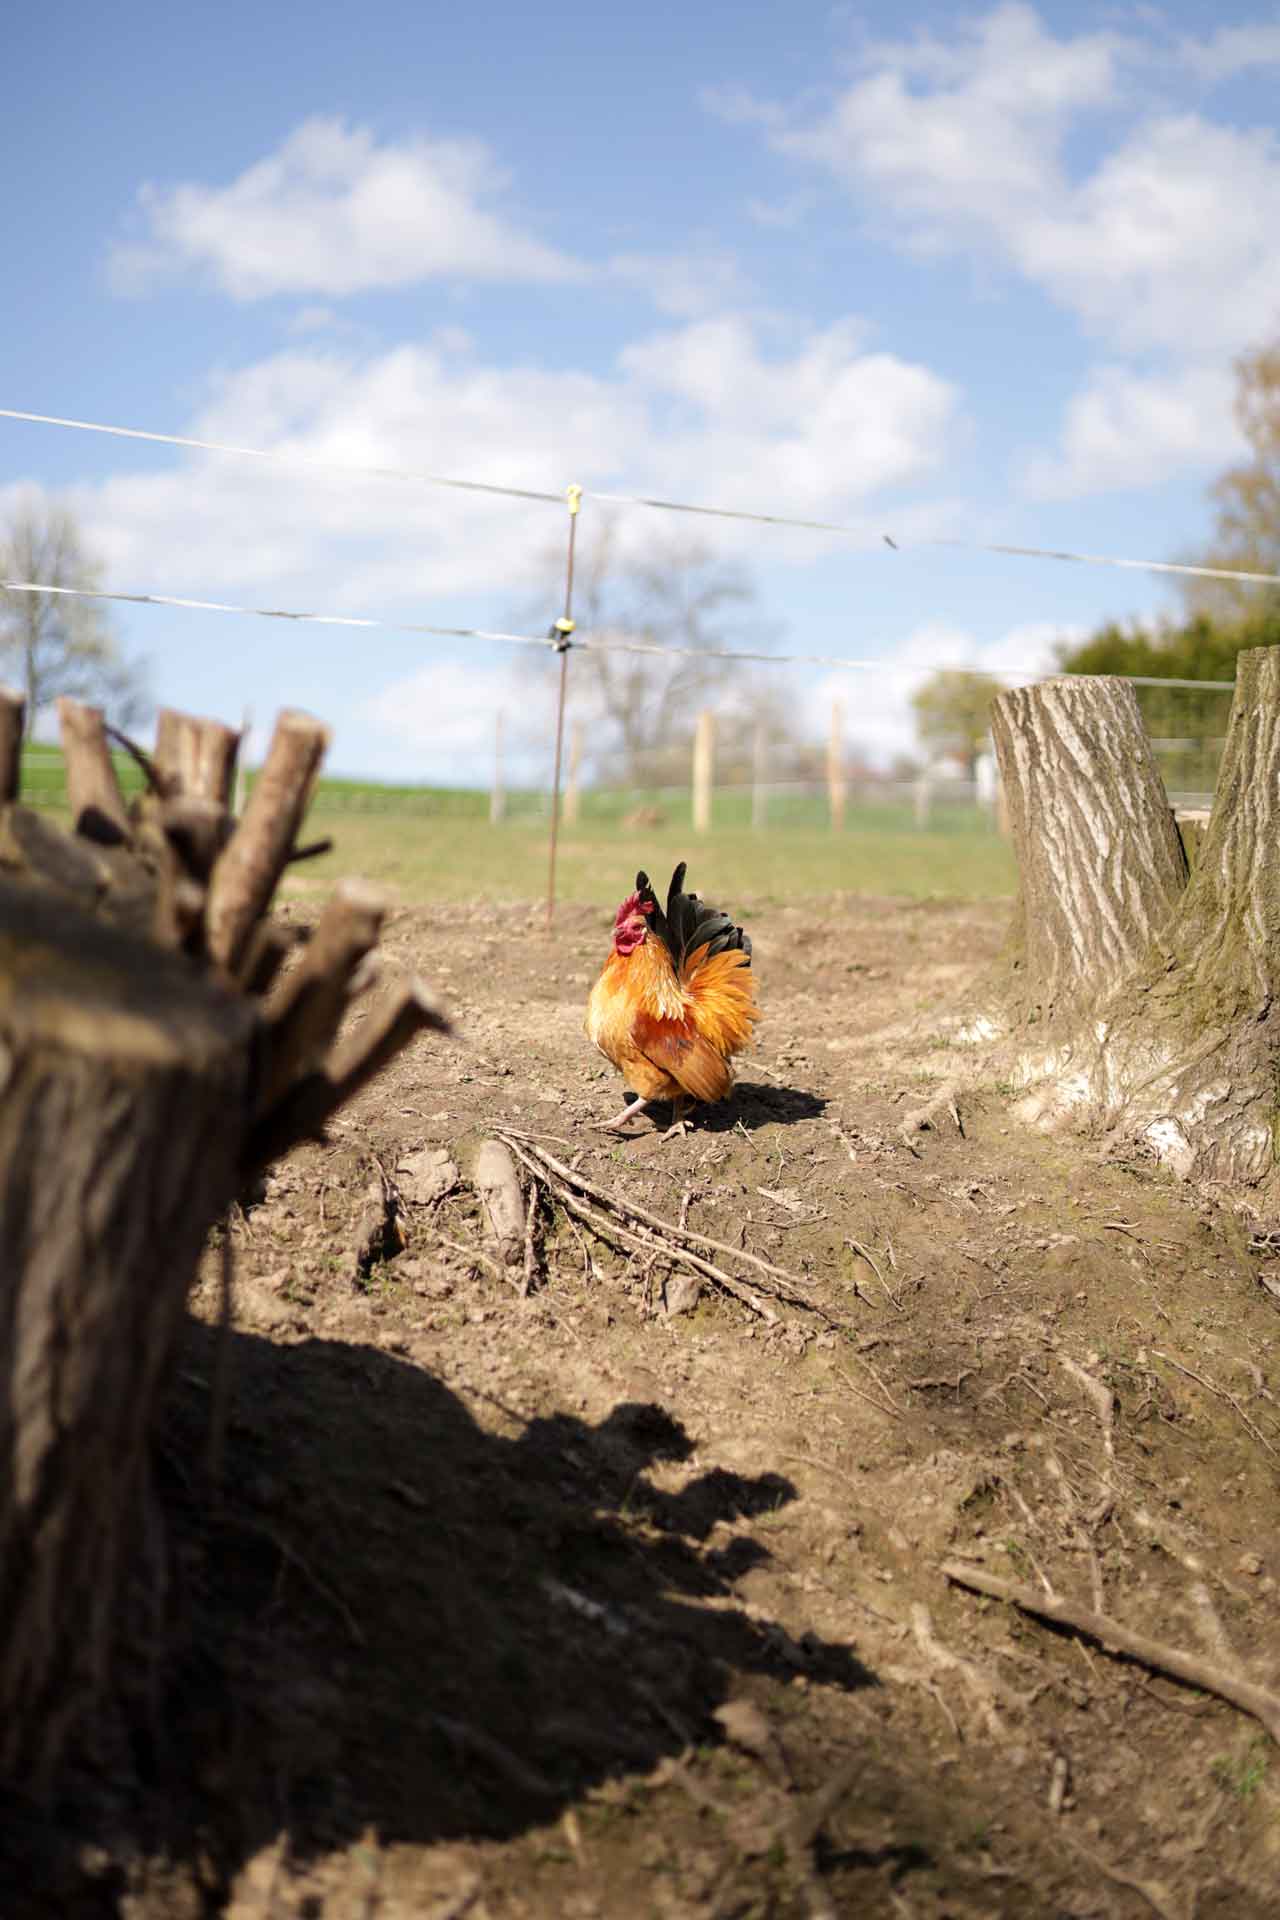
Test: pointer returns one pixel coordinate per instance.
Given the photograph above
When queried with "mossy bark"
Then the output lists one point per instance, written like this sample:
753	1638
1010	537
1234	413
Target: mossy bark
1157	998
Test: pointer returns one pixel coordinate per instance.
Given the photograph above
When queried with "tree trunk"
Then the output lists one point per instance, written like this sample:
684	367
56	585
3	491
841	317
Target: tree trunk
1100	864
1157	996
118	1149
140	1087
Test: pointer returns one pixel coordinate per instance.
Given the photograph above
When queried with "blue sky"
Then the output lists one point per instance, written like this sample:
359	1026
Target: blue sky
977	274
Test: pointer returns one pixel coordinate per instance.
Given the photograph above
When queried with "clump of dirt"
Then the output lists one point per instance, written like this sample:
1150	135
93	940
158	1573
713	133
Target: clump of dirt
616	1596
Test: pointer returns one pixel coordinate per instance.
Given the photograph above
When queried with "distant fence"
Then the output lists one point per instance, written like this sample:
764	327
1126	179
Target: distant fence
935	805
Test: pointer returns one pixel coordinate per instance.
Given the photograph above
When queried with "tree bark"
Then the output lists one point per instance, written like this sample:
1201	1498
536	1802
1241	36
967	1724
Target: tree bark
93	791
1160	1001
120	1073
140	1086
197	757
1100	864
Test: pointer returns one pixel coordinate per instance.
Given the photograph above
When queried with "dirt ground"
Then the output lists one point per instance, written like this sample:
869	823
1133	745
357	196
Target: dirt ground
624	1599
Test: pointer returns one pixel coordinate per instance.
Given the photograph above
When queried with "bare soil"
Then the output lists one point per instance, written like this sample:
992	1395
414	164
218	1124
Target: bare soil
619	1599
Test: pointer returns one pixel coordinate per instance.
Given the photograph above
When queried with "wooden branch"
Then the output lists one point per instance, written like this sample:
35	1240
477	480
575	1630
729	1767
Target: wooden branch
250	866
304	1110
13	714
794	1292
270	944
1113	1638
97	805
307	1008
643	1238
195	757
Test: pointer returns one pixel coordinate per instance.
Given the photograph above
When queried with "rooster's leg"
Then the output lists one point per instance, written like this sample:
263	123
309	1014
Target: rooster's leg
679	1121
628	1113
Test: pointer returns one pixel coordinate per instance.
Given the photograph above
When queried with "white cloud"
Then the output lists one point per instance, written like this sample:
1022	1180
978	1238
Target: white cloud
696	409
820	431
684	285
1166	242
446	713
1170	242
1231	51
331	212
782	215
877	705
1125	429
961	137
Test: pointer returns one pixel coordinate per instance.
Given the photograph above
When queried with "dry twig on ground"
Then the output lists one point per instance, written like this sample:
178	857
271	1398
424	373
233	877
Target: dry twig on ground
1114	1638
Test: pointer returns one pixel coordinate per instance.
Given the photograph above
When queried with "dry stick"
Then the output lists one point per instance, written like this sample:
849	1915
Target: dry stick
250	866
306	1009
857	1247
797	1299
645	1242
527	1279
1113	1638
13	716
196	758
93	791
1104	1406
302	1112
881	1406
1221	1394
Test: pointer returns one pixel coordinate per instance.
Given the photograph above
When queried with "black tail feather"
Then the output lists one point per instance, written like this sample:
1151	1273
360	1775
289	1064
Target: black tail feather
689	922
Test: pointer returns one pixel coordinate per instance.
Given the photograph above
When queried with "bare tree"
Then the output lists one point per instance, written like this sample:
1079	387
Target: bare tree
673	593
55	644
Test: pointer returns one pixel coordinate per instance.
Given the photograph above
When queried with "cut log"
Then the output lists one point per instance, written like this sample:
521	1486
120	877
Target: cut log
196	758
1100	864
1175	1040
123	1074
97	805
247	873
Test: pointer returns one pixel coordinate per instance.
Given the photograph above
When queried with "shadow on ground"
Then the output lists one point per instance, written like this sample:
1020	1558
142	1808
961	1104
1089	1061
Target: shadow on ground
396	1619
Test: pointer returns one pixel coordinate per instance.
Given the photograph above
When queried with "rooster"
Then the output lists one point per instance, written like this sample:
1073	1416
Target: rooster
675	1000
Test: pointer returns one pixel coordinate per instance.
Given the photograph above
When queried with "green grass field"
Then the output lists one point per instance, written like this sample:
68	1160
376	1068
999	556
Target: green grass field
424	859
435	843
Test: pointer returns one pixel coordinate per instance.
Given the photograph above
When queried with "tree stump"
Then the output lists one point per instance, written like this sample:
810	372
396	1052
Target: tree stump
1151	997
153	1058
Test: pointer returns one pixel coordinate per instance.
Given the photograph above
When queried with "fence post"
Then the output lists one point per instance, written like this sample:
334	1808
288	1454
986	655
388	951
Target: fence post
759	791
924	789
497	793
703	764
835	767
570	811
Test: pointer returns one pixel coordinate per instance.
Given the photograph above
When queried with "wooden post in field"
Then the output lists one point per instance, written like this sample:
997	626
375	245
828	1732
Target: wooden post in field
836	788
1001	808
703	763
497	793
924	788
759	791
570	811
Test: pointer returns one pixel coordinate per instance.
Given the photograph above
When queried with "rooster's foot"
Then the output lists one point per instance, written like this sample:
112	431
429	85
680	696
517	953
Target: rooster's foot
617	1125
